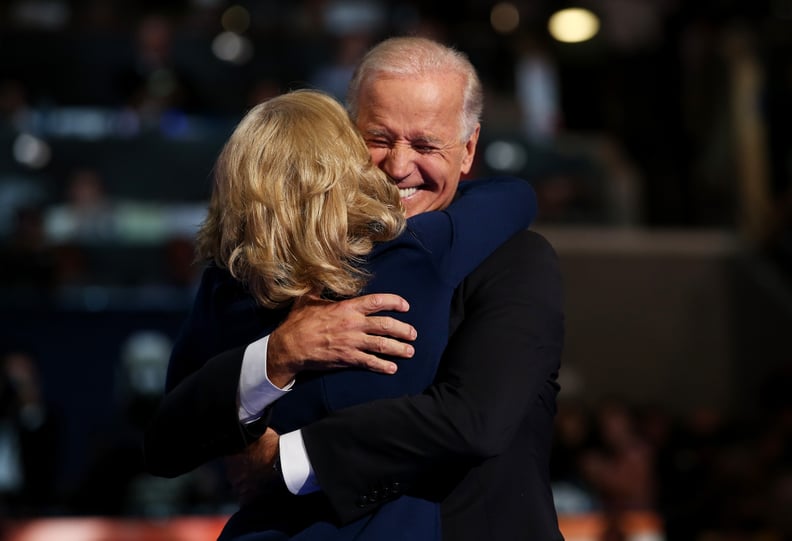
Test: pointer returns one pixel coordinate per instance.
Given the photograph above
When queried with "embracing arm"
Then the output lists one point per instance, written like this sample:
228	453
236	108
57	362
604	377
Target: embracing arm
198	420
199	417
497	364
484	215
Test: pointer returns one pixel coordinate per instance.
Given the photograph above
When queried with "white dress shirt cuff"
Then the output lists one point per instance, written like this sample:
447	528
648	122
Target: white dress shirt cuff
295	465
256	391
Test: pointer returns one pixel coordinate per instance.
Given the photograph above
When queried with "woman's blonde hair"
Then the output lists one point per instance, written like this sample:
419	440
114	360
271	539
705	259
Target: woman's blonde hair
297	201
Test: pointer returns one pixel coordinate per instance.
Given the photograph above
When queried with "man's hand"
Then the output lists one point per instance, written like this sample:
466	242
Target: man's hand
251	472
322	335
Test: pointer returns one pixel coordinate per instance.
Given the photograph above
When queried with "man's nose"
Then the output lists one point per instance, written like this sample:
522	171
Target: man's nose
398	163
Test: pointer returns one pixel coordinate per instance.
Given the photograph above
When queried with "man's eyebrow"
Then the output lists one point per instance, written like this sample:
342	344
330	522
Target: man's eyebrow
420	139
375	133
427	140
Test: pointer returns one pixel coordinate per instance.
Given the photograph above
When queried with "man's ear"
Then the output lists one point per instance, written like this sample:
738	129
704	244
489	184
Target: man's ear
470	150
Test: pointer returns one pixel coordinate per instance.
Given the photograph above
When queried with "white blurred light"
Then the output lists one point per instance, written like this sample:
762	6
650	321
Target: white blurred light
537	90
232	47
31	151
573	25
504	18
236	19
145	361
505	156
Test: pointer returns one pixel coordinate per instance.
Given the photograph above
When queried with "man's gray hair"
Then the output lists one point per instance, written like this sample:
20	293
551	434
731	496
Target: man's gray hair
413	56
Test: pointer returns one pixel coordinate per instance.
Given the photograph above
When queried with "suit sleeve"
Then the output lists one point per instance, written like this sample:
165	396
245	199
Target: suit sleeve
484	215
506	349
197	419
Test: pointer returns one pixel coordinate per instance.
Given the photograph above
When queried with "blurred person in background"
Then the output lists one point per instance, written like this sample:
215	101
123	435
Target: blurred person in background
478	440
86	214
27	259
333	76
28	438
156	82
573	436
114	481
620	466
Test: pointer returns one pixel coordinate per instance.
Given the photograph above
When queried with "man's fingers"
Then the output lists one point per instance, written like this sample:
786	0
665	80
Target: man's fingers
383	345
375	364
324	335
378	302
366	354
388	326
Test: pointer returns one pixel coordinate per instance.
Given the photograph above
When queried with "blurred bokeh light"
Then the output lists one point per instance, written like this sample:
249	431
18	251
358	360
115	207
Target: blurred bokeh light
573	25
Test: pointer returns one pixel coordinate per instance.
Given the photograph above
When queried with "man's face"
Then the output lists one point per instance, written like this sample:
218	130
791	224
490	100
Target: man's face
412	129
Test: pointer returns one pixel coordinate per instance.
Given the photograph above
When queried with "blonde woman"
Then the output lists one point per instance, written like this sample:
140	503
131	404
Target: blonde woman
299	209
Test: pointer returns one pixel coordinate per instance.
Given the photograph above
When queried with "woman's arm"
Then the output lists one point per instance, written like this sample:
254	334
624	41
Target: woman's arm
484	215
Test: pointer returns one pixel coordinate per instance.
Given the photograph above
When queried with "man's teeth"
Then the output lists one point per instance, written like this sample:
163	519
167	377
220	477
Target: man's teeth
407	192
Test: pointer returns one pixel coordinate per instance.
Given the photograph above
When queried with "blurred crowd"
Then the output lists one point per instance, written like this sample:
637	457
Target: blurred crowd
111	479
673	115
708	474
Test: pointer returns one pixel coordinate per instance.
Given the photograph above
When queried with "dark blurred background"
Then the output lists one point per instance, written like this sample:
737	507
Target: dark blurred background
661	150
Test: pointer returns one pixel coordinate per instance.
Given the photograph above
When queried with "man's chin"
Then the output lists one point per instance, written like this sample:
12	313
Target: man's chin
414	206
425	201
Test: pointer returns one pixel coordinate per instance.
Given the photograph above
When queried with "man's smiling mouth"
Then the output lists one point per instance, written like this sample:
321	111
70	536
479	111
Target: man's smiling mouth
404	193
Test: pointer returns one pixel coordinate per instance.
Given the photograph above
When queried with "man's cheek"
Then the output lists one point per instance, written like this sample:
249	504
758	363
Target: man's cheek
377	156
